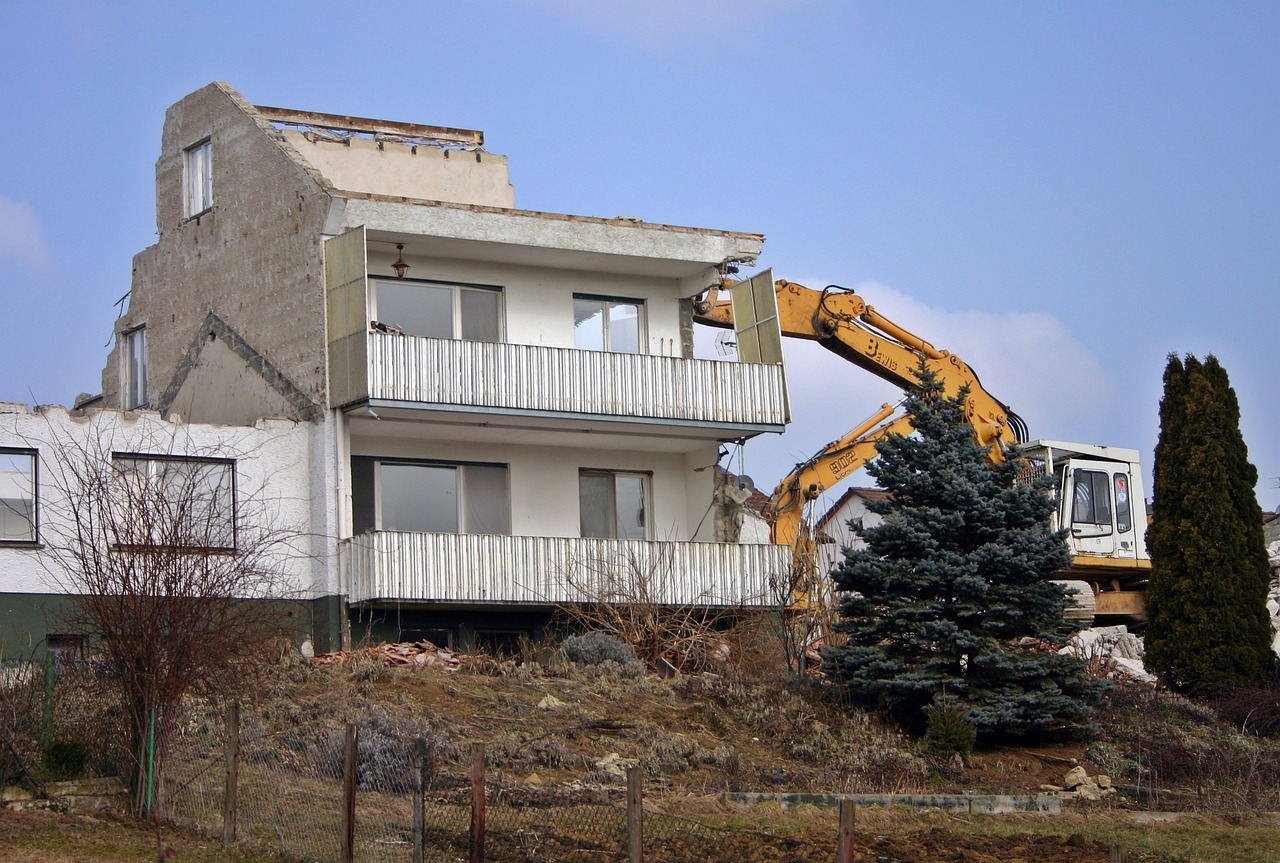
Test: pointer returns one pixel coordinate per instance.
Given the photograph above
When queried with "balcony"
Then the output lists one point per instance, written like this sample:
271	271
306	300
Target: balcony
408	371
478	569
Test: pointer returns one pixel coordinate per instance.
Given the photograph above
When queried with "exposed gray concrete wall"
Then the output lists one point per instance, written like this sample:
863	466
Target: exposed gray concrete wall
254	259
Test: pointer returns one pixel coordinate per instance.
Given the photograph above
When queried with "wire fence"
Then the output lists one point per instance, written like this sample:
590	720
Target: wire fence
289	794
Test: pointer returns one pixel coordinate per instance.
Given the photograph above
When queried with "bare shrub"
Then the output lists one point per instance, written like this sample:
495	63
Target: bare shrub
1252	709
640	600
172	564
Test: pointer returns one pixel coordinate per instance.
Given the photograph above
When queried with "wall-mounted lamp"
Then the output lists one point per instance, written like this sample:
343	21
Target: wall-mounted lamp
400	266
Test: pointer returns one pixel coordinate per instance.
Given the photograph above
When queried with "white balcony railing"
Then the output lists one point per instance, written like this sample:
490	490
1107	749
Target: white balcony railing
469	568
561	380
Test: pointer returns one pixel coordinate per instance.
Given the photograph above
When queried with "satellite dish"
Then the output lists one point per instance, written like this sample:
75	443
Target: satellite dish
746	483
725	343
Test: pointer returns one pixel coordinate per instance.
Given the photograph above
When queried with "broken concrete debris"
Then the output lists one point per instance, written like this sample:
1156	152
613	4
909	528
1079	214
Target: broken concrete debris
412	654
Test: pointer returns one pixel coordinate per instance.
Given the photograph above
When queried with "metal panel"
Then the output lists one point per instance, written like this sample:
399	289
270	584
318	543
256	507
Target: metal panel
439	567
562	380
755	319
347	316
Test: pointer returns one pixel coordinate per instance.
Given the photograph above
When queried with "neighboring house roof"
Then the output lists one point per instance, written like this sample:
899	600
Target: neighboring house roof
867	494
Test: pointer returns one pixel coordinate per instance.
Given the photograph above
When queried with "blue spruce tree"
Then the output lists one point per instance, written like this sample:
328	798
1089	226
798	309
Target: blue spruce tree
956	576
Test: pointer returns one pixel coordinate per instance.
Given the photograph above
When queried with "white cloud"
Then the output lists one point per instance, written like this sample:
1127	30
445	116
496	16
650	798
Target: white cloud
660	23
21	238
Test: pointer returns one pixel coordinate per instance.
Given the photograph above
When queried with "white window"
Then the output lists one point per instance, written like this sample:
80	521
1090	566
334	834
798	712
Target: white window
173	502
197	179
608	324
613	504
438	310
429	497
135	368
17	495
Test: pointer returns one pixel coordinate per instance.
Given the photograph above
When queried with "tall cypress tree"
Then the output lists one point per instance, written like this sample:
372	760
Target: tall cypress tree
959	571
1208	626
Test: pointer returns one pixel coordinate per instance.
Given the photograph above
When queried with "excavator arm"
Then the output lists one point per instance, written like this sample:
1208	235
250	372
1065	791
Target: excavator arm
843	323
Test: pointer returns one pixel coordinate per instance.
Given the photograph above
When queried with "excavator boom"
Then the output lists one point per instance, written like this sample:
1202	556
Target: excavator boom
844	323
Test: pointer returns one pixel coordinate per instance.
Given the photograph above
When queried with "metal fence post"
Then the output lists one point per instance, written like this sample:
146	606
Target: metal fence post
477	803
232	732
419	799
349	797
635	815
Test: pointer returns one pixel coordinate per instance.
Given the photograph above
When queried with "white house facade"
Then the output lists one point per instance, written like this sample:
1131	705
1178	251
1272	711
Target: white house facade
501	408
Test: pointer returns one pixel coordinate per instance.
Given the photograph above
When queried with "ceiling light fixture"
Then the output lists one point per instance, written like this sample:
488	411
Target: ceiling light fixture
400	266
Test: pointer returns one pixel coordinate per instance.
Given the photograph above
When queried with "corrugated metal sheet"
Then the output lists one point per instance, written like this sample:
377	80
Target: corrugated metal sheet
529	377
445	567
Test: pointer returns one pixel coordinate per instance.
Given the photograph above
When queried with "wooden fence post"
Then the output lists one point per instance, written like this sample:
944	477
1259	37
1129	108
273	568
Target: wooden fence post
232	733
1118	855
419	800
477	803
848	817
635	815
348	853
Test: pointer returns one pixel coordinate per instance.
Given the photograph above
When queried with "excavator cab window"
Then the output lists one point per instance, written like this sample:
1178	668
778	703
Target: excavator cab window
1124	513
1091	503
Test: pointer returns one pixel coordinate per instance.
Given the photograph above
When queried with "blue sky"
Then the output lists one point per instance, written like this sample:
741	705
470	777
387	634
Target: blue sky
1062	193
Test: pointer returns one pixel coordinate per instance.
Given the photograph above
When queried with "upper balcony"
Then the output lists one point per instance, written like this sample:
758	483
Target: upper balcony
730	399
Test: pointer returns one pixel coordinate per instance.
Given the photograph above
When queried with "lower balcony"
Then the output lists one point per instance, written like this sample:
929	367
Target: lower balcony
477	569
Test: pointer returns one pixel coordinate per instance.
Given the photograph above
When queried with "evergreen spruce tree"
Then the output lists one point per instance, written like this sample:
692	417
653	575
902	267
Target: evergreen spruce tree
959	572
1206	602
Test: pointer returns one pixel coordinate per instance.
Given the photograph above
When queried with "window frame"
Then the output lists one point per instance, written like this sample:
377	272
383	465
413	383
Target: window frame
1092	523
151	460
197	179
34	520
134	368
455	304
646	480
461	513
606	301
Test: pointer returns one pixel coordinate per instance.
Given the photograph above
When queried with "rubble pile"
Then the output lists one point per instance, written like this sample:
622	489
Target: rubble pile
1080	785
1112	650
411	654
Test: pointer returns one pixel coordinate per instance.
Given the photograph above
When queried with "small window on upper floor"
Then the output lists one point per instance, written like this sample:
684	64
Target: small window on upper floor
134	368
611	324
439	310
197	179
17	495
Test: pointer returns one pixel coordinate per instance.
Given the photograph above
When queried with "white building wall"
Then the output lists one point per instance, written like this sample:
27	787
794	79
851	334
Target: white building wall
544	482
538	301
273	464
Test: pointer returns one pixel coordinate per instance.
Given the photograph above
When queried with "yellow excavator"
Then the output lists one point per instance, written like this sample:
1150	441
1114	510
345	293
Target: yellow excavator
1097	489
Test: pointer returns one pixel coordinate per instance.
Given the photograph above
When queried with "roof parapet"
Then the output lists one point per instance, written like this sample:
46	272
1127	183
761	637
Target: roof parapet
345	127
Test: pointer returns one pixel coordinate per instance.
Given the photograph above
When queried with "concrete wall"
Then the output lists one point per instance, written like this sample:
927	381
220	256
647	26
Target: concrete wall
254	259
360	164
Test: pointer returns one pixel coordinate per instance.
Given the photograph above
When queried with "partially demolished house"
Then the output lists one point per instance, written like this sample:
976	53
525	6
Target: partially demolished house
505	410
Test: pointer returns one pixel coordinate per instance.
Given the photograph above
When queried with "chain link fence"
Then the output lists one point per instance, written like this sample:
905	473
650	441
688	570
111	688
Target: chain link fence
289	794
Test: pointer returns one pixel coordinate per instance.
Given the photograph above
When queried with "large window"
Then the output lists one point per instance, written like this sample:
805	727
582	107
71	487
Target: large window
176	502
429	497
135	368
608	324
17	495
197	179
438	310
614	504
